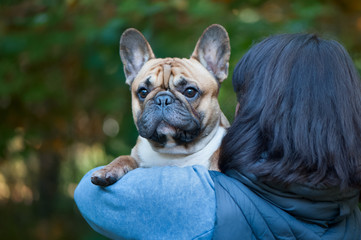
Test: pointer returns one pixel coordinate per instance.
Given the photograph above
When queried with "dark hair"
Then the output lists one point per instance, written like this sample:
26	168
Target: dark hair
300	109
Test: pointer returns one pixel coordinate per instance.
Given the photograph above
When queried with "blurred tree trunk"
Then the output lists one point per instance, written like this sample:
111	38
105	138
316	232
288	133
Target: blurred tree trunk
48	179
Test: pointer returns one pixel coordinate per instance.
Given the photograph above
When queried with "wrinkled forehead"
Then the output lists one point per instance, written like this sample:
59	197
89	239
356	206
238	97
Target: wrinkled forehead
169	71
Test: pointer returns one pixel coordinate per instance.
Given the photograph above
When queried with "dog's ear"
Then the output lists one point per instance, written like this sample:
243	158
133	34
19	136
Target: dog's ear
134	51
213	51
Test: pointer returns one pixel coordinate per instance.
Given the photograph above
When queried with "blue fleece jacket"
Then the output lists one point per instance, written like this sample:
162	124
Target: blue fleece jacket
151	203
193	203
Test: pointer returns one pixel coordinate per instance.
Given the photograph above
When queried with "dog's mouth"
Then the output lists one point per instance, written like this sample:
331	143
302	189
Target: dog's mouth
165	128
159	130
165	131
169	123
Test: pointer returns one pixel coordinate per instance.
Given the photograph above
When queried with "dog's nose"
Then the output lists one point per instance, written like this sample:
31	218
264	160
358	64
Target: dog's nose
164	100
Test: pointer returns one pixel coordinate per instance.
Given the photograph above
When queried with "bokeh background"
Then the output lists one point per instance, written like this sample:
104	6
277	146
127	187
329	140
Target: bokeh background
64	104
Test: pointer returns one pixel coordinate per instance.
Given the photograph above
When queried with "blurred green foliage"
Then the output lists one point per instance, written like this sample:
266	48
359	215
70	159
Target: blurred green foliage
64	104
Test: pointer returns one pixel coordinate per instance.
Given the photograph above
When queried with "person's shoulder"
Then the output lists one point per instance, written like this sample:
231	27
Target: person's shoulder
156	180
221	178
168	181
163	201
231	184
170	173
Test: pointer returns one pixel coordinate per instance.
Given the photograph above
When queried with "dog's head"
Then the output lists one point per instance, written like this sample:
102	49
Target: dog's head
174	101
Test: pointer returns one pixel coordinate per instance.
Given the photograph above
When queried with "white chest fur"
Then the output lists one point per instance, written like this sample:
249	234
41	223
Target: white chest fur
147	157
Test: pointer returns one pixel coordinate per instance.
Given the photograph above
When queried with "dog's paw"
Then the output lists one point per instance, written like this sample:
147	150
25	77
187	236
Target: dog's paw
113	171
107	176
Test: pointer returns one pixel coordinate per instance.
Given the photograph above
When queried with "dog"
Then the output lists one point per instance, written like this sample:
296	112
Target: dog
174	104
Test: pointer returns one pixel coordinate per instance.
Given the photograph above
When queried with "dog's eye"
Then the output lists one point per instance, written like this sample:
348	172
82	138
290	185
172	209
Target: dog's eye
190	92
142	93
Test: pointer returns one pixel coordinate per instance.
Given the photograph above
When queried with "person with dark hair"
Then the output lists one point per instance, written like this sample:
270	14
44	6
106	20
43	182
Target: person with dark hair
300	105
290	162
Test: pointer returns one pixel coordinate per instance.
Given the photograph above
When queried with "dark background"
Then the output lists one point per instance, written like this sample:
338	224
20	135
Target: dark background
64	104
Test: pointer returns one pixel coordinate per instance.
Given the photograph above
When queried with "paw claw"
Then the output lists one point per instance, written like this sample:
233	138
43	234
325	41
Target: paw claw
110	179
113	171
98	181
104	178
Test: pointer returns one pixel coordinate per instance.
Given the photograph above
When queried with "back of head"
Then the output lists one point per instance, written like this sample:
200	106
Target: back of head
300	109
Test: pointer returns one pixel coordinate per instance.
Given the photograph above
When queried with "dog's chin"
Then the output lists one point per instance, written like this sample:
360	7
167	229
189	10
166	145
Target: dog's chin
163	133
166	129
166	135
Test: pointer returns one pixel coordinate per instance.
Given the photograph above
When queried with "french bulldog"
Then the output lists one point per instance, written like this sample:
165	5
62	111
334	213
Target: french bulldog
174	104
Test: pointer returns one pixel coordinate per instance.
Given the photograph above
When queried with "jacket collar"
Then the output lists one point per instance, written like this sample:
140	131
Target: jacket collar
319	206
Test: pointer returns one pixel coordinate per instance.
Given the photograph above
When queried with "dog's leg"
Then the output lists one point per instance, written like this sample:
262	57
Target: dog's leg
114	171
